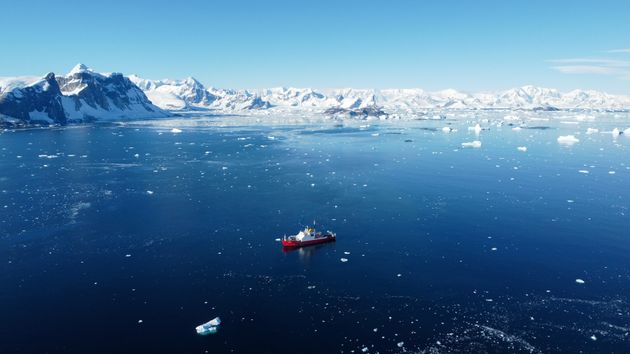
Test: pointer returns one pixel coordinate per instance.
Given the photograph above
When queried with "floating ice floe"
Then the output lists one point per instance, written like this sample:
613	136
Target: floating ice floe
584	172
568	139
343	260
150	192
447	129
209	327
522	148
400	344
592	131
579	281
593	337
473	144
176	131
626	132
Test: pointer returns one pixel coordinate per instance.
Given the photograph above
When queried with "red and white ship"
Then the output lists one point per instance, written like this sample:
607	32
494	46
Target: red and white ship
308	237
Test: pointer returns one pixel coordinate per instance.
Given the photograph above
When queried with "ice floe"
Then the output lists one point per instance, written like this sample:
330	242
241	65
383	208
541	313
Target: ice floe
592	131
473	144
176	130
209	327
568	139
522	148
579	281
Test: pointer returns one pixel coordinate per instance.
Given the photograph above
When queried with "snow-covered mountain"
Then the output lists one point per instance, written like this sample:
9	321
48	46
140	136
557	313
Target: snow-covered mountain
84	95
189	93
81	95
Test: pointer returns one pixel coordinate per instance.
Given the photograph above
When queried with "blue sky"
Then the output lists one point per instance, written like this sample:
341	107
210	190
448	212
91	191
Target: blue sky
466	45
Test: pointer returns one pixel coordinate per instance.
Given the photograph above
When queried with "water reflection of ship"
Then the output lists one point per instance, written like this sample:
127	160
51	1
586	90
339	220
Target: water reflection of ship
305	253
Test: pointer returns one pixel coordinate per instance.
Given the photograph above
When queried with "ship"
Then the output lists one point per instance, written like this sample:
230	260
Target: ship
308	237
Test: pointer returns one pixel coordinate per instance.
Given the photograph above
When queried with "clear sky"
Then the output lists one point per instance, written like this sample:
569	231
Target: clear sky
467	45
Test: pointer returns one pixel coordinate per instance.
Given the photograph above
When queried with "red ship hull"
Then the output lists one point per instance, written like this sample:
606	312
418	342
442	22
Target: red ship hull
292	244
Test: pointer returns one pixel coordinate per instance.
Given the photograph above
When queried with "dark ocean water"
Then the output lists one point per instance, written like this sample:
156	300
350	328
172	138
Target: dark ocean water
123	238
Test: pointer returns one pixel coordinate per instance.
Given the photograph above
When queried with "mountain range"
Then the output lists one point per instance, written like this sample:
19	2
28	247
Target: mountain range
80	96
84	95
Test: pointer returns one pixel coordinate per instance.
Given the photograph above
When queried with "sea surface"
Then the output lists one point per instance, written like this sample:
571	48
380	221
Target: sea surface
123	237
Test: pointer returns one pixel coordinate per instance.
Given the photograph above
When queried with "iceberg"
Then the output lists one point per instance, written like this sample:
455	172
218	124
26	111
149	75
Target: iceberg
522	148
209	327
615	132
477	128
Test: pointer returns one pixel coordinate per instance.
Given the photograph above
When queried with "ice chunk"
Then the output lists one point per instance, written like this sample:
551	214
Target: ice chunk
579	281
568	139
592	131
626	132
400	344
473	144
593	337
522	148
209	327
150	192
615	132
176	130
343	260
447	129
584	171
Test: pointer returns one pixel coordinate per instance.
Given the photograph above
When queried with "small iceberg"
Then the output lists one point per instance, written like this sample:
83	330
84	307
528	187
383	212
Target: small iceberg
568	139
579	281
473	144
477	128
210	327
447	129
522	148
176	131
615	132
